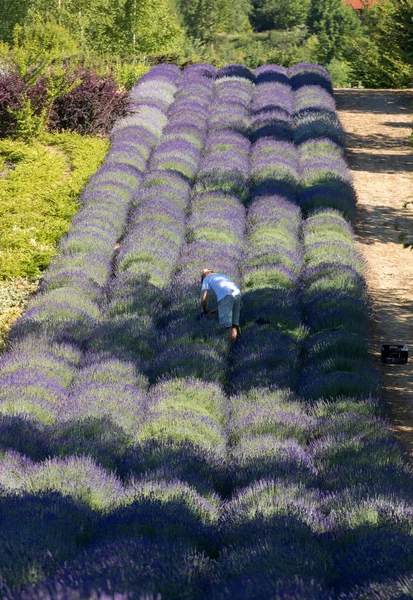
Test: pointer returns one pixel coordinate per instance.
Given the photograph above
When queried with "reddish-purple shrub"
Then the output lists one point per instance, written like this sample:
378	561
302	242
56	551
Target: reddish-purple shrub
91	107
11	90
38	94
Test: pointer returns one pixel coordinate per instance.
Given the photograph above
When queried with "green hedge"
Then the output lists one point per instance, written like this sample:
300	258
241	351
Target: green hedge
39	188
40	185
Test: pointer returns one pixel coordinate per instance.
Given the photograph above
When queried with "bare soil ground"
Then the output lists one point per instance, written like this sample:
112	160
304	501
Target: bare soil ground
378	124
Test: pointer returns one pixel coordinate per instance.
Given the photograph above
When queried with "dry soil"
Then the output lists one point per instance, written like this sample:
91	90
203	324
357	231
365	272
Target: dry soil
378	124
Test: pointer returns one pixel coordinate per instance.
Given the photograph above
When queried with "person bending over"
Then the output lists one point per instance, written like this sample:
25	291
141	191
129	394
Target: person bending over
229	300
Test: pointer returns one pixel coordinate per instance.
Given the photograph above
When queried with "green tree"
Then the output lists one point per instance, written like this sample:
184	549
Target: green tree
157	29
279	14
43	40
12	12
41	50
382	56
241	12
93	23
150	27
392	32
204	19
115	26
334	23
394	27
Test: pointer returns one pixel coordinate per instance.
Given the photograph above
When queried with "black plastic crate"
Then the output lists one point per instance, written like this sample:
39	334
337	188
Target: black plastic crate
394	353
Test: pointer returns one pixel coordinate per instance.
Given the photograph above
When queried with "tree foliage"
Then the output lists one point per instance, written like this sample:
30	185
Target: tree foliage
12	12
279	14
242	10
382	56
204	19
114	26
37	56
394	27
153	27
375	50
91	22
334	23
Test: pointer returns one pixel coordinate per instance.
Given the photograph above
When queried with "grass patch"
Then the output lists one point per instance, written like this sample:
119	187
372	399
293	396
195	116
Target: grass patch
39	188
13	299
39	196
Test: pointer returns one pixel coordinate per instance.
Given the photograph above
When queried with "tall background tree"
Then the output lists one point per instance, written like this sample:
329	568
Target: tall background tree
204	19
393	28
12	12
92	23
126	27
153	27
334	22
279	14
381	55
374	50
241	12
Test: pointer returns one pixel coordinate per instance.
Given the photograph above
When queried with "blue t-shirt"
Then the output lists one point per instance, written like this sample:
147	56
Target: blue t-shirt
221	285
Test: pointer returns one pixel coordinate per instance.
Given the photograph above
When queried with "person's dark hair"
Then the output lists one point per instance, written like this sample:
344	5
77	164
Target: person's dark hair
205	275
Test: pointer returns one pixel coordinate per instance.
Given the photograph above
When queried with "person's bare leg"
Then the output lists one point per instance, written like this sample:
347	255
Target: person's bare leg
232	334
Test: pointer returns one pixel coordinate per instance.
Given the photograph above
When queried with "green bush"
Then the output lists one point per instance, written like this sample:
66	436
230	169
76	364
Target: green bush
125	72
39	193
39	188
13	299
254	49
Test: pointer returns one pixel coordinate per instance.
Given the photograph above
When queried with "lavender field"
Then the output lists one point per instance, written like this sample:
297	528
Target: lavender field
139	458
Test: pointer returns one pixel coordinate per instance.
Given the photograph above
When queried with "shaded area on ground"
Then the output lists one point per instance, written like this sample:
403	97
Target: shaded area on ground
379	162
374	101
378	125
383	223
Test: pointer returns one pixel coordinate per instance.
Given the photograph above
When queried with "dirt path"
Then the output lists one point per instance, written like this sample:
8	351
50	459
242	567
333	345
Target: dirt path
378	124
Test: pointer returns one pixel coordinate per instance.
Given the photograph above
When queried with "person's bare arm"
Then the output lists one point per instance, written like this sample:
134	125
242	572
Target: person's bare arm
204	299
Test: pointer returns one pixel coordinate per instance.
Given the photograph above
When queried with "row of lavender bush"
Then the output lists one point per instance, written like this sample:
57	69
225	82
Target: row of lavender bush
120	308
228	485
269	527
366	485
98	387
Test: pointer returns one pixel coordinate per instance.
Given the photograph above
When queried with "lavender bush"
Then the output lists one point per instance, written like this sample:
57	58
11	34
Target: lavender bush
148	568
139	455
358	461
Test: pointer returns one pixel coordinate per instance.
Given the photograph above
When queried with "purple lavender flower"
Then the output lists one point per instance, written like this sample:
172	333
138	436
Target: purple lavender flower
261	422
200	69
233	92
164	511
227	140
273	96
38	533
144	566
304	74
262	579
196	360
315	123
313	96
269	509
238	71
117	310
264	456
166	71
271	73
